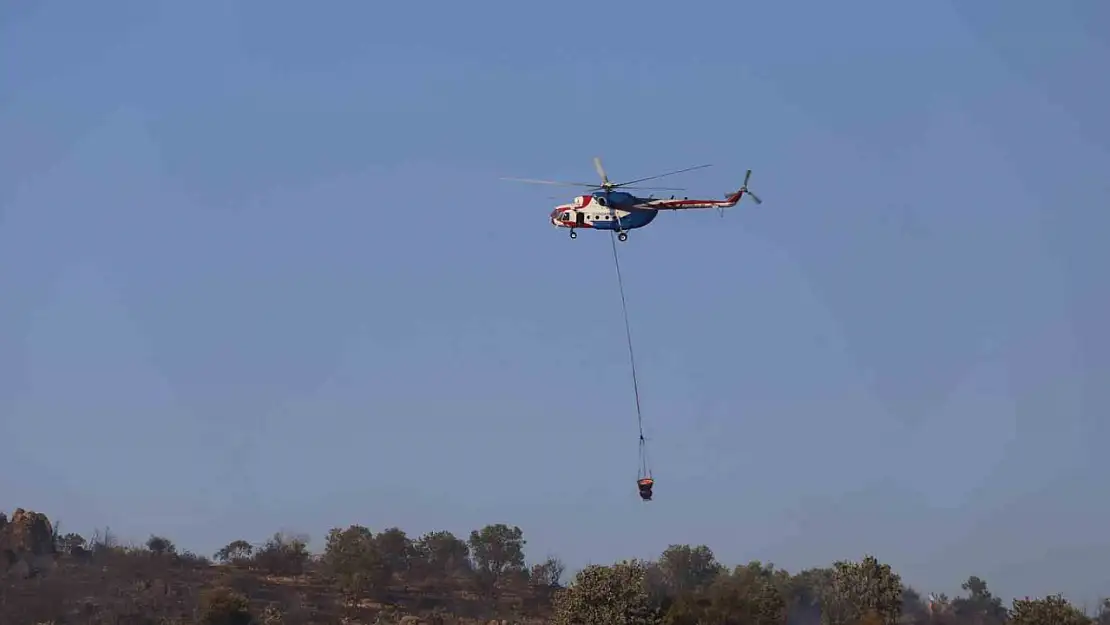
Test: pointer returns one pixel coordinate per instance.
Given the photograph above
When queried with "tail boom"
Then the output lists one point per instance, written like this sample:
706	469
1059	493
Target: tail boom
730	200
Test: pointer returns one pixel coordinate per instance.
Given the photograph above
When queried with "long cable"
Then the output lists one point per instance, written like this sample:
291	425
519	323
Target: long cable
644	472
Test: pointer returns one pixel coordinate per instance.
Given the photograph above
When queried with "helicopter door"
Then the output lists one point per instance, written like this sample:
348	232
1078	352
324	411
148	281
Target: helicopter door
579	219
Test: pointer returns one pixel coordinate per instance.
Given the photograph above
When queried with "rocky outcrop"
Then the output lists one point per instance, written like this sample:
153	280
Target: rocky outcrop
27	533
26	543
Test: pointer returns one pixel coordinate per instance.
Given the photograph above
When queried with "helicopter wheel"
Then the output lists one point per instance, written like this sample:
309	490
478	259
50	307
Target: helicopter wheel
573	234
622	236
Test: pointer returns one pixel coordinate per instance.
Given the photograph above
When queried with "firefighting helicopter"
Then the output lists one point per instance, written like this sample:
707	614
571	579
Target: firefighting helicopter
606	208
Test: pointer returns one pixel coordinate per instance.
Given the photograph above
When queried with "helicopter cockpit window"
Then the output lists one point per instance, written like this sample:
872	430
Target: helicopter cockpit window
565	216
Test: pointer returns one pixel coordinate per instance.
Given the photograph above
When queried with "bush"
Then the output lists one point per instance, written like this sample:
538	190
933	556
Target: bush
224	606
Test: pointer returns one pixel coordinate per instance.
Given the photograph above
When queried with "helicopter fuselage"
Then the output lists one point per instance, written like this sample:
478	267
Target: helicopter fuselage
601	211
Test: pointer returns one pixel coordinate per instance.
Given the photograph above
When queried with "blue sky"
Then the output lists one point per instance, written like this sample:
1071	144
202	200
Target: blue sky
258	273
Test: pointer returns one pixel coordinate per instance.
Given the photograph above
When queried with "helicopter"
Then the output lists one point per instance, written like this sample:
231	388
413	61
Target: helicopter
607	208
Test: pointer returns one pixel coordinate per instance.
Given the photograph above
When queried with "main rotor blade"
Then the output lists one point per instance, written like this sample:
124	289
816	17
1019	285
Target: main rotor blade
600	170
554	182
670	173
656	188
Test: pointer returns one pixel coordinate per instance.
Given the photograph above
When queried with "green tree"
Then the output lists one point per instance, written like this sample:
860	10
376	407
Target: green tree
980	606
441	554
1051	610
73	544
805	594
353	559
861	588
604	595
685	569
283	554
160	545
547	573
747	596
395	549
497	550
685	609
235	552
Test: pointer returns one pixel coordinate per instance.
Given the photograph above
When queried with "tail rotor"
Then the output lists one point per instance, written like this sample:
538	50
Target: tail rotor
742	192
744	189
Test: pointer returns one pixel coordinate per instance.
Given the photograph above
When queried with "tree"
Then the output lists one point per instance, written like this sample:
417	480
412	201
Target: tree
913	606
860	588
939	605
441	554
283	554
73	544
805	594
547	573
603	595
497	550
191	559
980	606
1053	609
685	569
747	595
160	545
235	552
353	559
768	606
395	548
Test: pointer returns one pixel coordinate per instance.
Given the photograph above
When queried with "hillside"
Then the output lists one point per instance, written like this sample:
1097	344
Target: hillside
388	577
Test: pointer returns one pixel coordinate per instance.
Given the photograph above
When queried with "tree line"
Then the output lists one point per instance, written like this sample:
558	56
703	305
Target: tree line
685	585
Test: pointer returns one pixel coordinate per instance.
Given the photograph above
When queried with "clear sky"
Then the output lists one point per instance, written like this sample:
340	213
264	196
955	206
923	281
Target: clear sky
258	273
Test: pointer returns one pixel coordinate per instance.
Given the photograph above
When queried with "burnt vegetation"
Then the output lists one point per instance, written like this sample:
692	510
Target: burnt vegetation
387	576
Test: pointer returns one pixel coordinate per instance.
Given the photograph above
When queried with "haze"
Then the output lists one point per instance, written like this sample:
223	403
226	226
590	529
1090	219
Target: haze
257	272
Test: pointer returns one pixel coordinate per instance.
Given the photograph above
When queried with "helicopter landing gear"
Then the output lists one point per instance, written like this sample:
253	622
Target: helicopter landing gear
573	234
623	236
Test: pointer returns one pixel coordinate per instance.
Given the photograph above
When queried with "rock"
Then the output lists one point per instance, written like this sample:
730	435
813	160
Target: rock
26	543
27	532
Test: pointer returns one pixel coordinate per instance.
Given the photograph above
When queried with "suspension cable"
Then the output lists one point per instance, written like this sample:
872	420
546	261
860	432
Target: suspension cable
644	470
